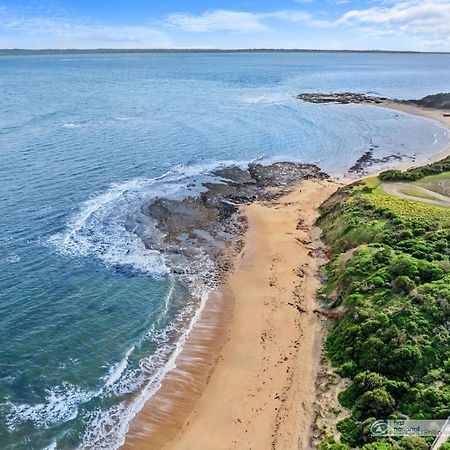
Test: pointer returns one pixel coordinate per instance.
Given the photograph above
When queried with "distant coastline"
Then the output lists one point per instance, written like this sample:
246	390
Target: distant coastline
69	51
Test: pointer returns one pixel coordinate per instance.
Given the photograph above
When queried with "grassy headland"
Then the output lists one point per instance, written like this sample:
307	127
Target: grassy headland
388	282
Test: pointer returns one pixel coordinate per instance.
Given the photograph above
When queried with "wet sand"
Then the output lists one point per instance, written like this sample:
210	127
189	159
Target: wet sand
164	413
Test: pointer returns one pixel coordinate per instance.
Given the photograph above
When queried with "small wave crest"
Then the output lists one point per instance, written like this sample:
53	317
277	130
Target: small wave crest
13	258
267	98
116	371
99	229
61	404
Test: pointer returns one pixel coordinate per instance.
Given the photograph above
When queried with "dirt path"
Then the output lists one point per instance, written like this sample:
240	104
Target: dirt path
398	190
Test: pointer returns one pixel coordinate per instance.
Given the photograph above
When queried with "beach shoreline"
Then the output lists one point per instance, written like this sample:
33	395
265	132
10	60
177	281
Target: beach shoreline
438	115
241	381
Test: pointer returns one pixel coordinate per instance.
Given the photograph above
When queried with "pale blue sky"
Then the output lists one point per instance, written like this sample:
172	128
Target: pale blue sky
322	24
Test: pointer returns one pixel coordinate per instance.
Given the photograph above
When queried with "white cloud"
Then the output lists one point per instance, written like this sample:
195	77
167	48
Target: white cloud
239	21
413	24
288	16
427	18
67	30
219	20
299	17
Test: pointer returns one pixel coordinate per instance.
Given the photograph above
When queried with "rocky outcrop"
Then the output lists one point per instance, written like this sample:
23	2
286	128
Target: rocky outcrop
203	224
343	98
283	174
367	160
438	101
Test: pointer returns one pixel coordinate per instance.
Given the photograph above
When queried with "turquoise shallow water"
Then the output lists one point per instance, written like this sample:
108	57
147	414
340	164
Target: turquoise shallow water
89	317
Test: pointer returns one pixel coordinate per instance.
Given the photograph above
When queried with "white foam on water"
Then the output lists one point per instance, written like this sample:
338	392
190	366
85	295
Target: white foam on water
259	99
99	228
13	258
61	405
116	371
106	429
267	98
168	297
186	171
165	340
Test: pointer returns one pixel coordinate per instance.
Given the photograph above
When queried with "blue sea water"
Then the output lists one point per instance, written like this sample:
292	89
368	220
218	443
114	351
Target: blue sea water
89	318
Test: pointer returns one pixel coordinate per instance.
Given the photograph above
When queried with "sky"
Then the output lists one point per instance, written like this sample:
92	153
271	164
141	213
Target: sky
418	25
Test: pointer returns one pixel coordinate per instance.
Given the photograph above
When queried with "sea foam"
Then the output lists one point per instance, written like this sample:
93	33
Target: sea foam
61	405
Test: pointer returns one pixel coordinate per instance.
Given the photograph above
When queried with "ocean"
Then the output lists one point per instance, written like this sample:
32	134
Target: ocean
91	319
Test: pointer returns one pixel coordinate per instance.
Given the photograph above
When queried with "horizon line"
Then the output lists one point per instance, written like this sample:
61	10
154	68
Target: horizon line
25	51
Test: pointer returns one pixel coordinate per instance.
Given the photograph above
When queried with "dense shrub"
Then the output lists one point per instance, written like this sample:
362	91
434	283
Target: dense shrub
351	432
416	173
398	175
330	443
376	403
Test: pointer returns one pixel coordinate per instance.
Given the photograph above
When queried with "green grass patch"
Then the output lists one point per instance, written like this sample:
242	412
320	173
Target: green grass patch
372	182
409	210
437	183
418	194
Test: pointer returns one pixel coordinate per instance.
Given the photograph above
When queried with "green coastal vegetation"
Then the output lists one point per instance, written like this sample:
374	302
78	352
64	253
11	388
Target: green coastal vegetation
440	168
388	282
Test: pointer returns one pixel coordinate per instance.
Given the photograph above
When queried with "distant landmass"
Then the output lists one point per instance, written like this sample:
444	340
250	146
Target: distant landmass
441	101
13	52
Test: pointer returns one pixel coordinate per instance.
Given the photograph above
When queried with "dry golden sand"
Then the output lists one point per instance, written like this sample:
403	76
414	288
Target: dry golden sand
261	393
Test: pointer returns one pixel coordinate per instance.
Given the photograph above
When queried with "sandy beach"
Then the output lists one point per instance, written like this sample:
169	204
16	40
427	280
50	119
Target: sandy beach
259	393
247	376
